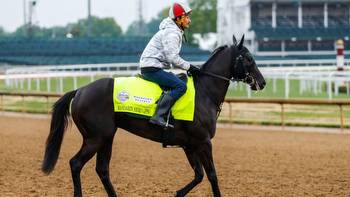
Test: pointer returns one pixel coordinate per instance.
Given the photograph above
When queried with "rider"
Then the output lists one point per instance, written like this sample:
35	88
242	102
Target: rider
161	52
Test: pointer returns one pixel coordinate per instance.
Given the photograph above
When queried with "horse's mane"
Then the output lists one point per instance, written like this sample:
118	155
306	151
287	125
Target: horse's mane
214	53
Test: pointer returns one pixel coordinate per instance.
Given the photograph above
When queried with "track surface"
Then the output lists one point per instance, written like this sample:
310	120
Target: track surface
249	163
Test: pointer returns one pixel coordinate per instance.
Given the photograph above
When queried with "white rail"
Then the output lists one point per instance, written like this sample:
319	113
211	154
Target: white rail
302	64
311	77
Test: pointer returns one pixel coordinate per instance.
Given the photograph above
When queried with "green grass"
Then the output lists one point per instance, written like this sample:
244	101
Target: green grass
27	104
68	85
295	115
241	91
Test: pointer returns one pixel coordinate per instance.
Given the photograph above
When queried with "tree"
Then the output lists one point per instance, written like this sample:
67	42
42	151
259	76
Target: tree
2	32
203	16
21	31
153	25
150	28
100	27
56	32
106	27
134	29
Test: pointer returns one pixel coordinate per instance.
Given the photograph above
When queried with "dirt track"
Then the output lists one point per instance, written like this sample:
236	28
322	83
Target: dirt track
249	163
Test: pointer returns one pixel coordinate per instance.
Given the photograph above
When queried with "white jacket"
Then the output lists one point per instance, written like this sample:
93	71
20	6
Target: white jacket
163	49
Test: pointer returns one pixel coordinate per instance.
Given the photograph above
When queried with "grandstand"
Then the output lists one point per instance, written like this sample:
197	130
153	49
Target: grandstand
38	51
305	29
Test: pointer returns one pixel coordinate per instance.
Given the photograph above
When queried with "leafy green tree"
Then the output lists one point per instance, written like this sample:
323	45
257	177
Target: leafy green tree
2	32
59	32
134	29
54	32
153	25
203	16
150	28
100	27
21	31
42	32
106	27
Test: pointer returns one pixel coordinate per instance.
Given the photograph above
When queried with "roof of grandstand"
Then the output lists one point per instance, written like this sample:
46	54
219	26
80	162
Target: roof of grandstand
38	51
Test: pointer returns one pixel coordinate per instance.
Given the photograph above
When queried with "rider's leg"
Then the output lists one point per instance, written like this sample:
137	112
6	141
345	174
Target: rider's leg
178	88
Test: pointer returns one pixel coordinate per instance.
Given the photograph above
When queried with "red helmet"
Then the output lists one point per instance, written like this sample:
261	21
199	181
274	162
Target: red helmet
179	9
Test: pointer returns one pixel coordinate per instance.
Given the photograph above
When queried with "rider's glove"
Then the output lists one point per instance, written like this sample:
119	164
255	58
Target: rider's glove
193	71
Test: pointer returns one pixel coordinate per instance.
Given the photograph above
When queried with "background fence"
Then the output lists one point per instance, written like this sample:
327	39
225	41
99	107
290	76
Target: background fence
318	77
234	110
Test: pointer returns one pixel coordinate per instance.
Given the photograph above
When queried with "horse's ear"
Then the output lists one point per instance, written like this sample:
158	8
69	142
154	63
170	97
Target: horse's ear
240	45
234	40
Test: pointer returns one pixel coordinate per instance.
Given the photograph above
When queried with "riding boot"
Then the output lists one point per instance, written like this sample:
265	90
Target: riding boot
163	107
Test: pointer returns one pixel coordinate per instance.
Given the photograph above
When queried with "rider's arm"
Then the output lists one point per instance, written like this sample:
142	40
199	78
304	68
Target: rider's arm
172	46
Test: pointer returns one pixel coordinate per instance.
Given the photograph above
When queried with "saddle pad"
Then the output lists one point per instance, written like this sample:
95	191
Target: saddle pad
138	96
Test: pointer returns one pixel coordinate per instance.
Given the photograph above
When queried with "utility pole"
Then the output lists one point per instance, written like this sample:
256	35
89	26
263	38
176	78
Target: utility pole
25	17
89	18
141	23
32	5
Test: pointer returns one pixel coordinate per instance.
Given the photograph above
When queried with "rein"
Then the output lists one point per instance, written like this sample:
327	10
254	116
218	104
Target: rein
247	79
217	76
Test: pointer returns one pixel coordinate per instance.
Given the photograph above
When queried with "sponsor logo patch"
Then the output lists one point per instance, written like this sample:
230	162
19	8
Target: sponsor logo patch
123	96
141	99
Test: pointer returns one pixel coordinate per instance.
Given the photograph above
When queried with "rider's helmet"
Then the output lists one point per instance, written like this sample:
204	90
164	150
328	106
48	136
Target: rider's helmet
179	9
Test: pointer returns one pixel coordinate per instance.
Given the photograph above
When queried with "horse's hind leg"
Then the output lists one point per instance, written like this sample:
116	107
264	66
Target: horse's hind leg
102	166
86	152
198	170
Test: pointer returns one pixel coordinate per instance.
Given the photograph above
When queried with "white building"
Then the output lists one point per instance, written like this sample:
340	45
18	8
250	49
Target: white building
285	27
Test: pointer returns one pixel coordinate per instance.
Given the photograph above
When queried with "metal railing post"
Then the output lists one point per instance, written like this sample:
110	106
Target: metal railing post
47	104
282	116
2	103
230	113
341	117
23	105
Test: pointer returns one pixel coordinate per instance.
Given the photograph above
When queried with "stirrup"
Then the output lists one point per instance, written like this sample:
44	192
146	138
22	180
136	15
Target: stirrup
165	125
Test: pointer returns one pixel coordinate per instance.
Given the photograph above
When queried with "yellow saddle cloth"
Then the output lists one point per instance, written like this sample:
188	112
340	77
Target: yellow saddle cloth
138	96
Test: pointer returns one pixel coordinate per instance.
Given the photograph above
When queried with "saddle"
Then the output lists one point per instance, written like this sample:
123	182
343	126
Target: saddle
138	102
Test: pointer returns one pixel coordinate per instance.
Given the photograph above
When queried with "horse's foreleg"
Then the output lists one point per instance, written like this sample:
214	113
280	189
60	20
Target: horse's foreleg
198	170
102	166
206	157
87	151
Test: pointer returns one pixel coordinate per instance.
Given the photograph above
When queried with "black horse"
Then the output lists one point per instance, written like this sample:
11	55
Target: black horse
93	113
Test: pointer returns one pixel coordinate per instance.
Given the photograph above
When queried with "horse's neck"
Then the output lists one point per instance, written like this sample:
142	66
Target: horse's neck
212	87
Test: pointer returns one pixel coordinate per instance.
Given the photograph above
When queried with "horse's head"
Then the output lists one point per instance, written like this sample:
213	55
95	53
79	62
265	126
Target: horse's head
245	68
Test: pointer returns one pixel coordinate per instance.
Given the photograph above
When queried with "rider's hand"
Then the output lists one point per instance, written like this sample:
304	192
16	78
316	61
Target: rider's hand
193	70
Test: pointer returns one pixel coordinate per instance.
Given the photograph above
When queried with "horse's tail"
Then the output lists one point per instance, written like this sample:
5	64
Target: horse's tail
58	125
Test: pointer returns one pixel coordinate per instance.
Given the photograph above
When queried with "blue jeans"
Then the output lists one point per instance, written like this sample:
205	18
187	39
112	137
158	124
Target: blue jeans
168	80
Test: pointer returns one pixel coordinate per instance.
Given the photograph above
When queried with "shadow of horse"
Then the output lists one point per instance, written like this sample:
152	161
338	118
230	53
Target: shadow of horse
93	113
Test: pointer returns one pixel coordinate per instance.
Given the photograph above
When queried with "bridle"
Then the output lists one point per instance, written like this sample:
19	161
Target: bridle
238	63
